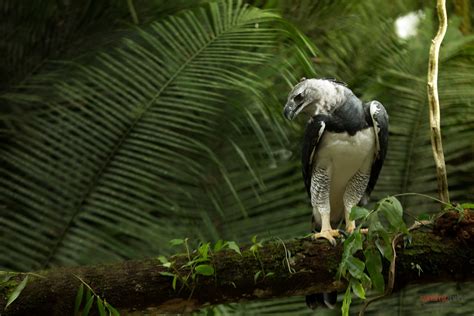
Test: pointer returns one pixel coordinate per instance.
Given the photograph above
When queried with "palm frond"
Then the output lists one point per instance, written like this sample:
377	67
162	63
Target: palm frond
135	148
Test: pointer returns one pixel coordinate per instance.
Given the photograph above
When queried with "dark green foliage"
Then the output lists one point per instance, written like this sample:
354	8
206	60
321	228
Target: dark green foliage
87	302
117	137
385	224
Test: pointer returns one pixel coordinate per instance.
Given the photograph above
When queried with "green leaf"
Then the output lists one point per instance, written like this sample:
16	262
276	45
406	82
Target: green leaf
358	212
346	302
356	267
233	245
469	206
5	276
204	250
358	289
173	284
204	269
219	245
176	242
163	259
88	306
111	309
78	301
254	239
366	282
16	292
373	262
100	307
357	243
256	275
352	244
167	274
424	217
269	274
88	294
392	210
384	245
198	260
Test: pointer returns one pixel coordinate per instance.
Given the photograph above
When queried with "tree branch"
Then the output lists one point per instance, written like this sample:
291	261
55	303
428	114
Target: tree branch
433	99
443	253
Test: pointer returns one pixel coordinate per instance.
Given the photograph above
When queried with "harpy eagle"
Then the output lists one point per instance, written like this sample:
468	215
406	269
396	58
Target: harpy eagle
344	147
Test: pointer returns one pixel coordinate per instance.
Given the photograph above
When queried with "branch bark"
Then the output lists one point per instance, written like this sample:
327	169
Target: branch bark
433	99
445	253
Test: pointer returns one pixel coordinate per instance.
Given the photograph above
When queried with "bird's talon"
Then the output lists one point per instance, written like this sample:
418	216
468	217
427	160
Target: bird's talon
327	234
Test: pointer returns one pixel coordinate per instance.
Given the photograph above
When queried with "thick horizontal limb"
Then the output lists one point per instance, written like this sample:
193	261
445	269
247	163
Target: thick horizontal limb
305	267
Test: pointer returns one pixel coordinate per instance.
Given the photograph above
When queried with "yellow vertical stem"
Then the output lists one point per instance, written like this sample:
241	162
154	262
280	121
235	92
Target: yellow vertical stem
433	100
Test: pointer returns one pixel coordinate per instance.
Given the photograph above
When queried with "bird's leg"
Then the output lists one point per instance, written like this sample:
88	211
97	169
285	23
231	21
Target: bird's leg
321	207
326	231
354	191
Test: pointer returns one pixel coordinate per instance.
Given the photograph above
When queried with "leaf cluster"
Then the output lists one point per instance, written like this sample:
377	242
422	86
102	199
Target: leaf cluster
10	288
85	301
199	262
362	260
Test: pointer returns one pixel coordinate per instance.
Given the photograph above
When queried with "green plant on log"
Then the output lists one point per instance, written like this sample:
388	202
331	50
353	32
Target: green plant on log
199	262
83	303
256	245
11	288
385	225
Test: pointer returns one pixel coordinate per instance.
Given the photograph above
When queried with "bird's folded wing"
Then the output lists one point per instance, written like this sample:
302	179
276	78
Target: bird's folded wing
313	133
379	119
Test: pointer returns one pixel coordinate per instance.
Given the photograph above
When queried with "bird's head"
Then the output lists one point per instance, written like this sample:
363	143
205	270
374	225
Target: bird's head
313	97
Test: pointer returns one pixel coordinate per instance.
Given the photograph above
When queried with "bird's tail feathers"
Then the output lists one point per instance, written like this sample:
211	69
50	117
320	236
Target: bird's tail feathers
326	300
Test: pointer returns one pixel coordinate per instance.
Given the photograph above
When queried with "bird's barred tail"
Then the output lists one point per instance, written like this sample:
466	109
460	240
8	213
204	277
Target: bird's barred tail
327	300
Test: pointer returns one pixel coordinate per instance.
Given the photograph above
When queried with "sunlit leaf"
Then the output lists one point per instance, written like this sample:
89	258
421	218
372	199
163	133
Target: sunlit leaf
233	245
204	269
16	292
346	302
357	288
256	275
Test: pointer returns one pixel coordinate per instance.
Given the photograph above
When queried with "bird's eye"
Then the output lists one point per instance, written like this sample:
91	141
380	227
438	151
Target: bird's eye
298	98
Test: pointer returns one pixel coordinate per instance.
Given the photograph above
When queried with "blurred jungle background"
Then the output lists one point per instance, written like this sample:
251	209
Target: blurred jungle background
125	124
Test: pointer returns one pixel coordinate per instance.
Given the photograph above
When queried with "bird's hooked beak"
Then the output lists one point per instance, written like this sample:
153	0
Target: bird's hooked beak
291	109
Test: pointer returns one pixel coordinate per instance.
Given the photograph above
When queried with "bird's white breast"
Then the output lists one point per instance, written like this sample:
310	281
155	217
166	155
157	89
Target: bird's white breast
343	155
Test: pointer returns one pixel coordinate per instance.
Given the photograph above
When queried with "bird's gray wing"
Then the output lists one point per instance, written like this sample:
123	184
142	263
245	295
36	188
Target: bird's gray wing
313	133
379	120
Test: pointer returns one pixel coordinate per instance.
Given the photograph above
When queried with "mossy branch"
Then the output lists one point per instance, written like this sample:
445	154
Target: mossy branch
298	267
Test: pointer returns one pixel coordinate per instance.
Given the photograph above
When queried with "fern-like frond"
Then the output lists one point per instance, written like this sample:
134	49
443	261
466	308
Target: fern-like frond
142	144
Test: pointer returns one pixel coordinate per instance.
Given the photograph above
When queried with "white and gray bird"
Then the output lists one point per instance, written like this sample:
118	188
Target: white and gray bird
344	147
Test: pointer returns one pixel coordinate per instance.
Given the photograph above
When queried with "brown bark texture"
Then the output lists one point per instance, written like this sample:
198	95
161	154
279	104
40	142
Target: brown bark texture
444	251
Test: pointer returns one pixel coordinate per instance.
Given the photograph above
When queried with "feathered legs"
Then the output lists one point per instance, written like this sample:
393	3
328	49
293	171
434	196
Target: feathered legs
321	207
354	191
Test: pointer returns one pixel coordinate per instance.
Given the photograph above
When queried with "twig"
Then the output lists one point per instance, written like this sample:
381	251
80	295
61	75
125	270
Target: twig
433	99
